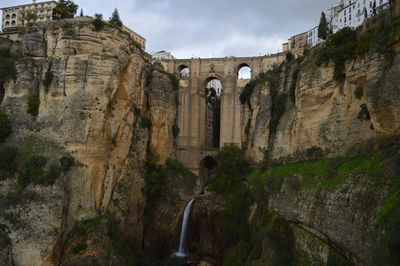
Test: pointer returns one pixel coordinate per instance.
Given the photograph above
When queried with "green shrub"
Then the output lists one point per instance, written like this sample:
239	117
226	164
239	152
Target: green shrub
66	163
51	175
238	255
289	56
7	66
31	171
178	171
314	153
5	126
339	47
280	236
98	22
155	179
33	105
175	130
137	44
68	29
358	93
293	85
247	91
145	122
235	225
278	109
364	115
335	259
232	169
81	246
174	80
48	78
7	159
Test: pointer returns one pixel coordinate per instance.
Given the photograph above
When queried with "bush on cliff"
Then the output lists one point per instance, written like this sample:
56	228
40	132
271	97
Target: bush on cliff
32	171
7	66
98	22
5	126
33	105
232	169
339	47
7	160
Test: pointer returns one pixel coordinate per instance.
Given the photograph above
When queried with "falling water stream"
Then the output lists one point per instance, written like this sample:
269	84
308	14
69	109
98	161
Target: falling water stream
183	250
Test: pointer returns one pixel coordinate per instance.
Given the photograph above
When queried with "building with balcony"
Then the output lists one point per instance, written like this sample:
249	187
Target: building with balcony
15	17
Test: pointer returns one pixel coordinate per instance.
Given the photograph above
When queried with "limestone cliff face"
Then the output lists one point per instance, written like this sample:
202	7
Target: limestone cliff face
105	105
326	112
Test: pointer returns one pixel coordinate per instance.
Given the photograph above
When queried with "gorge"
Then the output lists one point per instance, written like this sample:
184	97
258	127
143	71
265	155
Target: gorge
102	149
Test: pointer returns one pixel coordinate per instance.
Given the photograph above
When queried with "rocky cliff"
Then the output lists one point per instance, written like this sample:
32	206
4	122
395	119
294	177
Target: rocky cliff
100	101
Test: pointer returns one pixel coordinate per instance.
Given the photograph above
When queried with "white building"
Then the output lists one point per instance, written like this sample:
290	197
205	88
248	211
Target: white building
14	16
354	12
162	55
312	37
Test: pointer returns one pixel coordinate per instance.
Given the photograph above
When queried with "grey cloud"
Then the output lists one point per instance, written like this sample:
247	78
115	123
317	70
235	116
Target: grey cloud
205	27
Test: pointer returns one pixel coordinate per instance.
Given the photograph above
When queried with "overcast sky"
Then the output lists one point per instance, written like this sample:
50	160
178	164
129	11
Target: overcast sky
210	28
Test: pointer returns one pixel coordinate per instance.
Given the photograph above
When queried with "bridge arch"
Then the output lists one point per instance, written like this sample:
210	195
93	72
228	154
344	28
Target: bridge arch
243	71
184	71
207	169
211	91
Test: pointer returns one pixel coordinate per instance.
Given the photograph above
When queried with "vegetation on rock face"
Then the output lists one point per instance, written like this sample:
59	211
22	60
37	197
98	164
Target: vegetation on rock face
7	66
232	168
32	171
339	47
162	178
5	126
98	22
67	162
292	90
175	130
33	105
48	78
358	92
8	163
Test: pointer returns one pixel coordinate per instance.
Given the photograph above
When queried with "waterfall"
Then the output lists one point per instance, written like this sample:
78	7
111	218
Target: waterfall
183	252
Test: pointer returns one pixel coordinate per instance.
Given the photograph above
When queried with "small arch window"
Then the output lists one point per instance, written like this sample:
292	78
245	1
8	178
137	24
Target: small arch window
184	71
244	72
14	16
8	17
13	23
7	24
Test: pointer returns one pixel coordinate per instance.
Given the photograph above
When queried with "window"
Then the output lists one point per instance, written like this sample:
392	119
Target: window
13	23
344	19
345	12
349	17
7	23
8	17
14	16
350	10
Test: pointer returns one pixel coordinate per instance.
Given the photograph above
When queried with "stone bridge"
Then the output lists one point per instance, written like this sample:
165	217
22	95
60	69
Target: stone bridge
192	103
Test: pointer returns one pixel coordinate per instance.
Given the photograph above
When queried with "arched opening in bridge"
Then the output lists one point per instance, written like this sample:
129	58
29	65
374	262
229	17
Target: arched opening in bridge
207	170
244	71
184	71
212	124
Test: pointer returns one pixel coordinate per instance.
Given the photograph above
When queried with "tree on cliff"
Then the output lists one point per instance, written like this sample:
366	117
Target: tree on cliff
65	9
323	27
115	20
